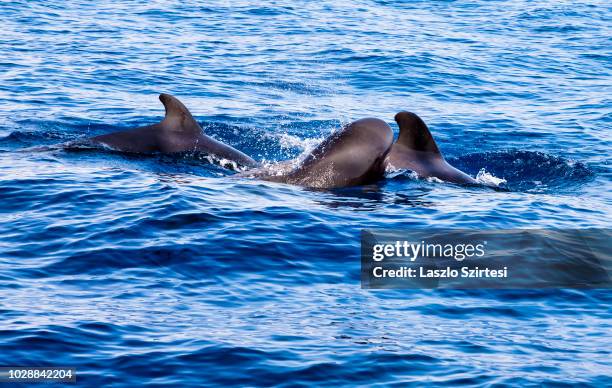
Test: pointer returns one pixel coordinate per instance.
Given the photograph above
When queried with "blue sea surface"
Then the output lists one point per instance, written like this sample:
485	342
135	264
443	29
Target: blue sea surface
167	270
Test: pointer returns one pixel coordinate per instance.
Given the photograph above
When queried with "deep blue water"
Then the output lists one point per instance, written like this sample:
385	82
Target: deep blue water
166	270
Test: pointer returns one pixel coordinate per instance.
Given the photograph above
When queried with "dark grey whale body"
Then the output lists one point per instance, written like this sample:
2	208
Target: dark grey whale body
177	132
355	155
363	151
358	154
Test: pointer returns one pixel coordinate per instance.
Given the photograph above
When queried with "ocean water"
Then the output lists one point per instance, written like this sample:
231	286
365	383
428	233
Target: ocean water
163	270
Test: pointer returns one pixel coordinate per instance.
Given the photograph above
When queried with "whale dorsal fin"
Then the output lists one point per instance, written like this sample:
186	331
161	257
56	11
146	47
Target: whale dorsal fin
178	118
414	133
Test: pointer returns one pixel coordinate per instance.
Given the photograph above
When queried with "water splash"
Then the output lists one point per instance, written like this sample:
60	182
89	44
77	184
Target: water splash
485	178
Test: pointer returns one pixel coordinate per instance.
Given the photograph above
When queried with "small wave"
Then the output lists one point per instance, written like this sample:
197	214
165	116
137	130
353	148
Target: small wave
21	139
485	178
392	173
225	163
530	171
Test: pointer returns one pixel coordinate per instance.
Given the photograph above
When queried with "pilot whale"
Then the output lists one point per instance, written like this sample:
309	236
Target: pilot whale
362	152
359	153
177	132
415	149
354	155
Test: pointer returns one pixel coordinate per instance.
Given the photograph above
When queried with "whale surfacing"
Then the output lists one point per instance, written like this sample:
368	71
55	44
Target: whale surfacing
177	132
358	154
352	156
362	152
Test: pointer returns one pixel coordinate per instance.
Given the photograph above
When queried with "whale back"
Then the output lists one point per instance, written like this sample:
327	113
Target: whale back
177	132
352	156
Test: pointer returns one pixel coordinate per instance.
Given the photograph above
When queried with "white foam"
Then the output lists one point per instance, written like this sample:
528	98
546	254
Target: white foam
485	178
107	147
230	164
433	179
225	163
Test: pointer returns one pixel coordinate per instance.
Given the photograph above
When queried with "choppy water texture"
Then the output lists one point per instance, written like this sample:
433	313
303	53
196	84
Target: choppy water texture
166	270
